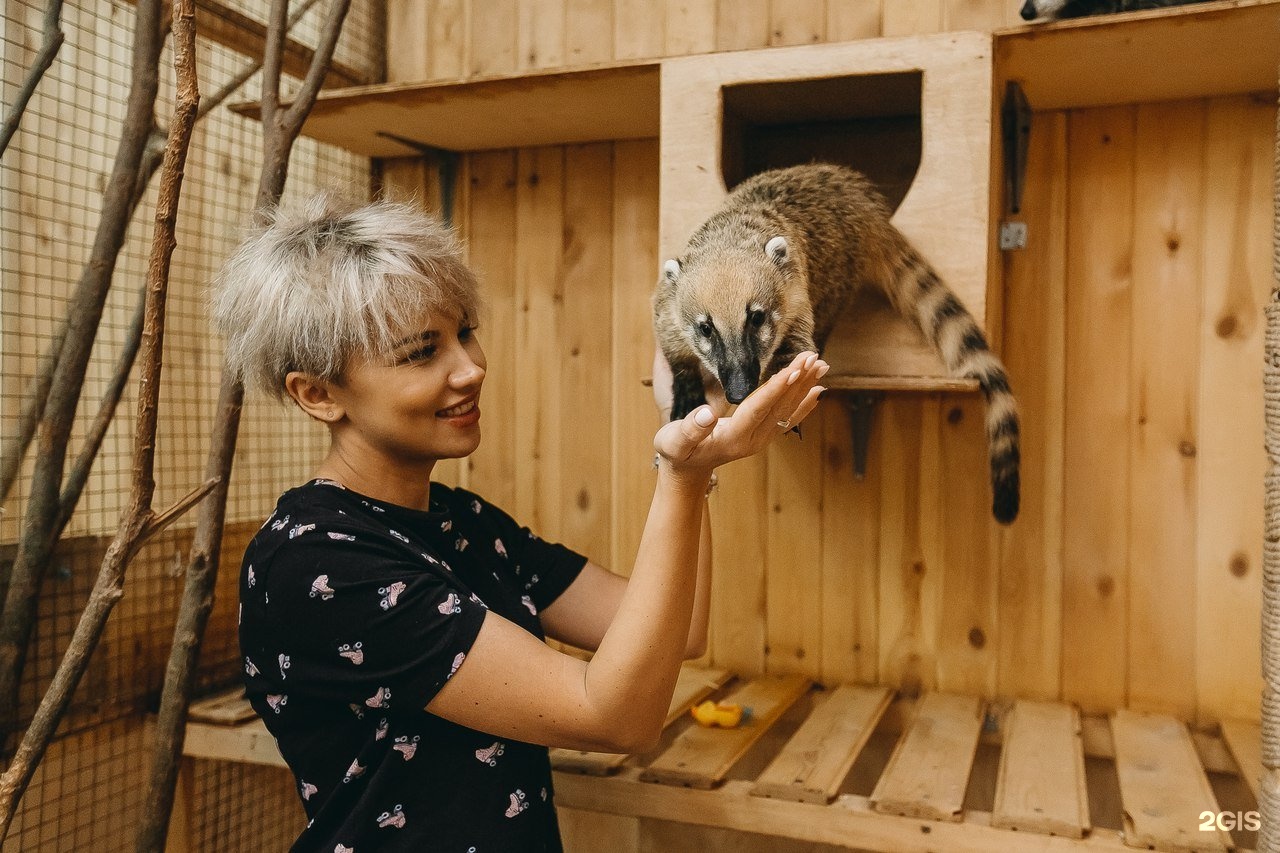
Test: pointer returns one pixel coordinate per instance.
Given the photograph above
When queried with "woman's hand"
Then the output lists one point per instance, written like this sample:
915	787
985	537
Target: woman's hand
702	440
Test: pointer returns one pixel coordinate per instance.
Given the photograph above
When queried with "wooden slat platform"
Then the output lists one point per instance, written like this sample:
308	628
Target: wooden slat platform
804	770
701	757
1041	784
810	768
929	771
1162	785
1244	741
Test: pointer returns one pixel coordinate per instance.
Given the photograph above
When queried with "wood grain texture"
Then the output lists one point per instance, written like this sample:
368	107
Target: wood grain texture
1168	188
1096	504
1236	282
1031	573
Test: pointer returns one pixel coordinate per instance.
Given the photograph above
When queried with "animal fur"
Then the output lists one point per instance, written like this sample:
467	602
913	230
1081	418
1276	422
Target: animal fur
1056	9
766	277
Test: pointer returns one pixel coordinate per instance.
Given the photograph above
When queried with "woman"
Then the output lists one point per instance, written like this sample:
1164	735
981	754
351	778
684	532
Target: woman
393	629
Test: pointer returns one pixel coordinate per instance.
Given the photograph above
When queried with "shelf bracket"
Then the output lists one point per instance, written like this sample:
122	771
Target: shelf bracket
861	406
446	170
1015	120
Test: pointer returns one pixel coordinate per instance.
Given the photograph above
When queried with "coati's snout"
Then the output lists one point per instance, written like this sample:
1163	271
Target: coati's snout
728	305
739	381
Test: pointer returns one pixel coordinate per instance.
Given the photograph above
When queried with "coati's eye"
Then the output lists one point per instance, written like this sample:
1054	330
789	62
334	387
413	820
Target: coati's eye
704	328
755	318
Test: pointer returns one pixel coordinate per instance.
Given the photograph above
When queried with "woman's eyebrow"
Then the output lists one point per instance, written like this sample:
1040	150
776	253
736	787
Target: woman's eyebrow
423	337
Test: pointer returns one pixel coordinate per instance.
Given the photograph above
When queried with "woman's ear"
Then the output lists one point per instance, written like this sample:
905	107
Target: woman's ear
313	397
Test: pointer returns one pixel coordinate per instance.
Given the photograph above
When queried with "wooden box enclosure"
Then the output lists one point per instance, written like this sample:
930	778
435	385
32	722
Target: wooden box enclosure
1115	623
914	114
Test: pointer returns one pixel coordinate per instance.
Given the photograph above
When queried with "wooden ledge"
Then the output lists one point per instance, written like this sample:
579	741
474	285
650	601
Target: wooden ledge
607	102
1226	47
797	769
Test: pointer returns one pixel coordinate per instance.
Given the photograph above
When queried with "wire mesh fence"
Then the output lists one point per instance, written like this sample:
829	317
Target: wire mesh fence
52	181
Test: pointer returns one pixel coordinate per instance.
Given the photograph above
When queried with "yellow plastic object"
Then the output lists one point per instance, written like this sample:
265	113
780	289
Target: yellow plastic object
726	715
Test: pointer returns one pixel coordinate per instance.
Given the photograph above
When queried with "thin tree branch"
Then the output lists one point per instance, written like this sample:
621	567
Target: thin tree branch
79	473
14	449
53	39
35	543
206	547
139	519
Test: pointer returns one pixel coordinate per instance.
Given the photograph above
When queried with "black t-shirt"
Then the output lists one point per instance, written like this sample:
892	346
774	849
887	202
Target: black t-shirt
353	614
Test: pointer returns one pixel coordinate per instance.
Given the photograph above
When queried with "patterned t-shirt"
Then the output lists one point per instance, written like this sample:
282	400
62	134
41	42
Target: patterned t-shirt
353	614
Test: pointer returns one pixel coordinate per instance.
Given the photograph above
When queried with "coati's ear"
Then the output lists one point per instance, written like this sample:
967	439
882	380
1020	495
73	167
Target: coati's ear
776	249
671	270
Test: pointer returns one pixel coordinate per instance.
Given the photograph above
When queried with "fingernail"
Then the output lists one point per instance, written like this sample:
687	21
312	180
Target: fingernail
795	374
704	417
822	371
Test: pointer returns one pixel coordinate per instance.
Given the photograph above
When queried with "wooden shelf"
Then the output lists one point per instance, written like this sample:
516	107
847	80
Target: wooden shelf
797	769
548	108
1219	48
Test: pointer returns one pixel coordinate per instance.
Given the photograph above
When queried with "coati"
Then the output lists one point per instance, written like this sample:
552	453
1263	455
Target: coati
1056	9
766	276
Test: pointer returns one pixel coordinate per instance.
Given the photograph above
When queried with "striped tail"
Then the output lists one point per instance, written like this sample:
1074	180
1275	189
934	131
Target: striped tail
921	296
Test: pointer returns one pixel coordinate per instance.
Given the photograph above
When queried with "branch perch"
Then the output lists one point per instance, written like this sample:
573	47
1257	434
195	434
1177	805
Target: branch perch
51	44
139	520
279	133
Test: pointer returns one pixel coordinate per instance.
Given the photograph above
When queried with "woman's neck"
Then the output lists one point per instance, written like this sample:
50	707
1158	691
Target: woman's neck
401	483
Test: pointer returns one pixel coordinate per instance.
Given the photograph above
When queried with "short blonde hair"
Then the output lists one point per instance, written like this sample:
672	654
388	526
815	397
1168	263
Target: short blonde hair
312	288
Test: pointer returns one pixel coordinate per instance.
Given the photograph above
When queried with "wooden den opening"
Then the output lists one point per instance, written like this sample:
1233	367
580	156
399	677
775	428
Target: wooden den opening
869	122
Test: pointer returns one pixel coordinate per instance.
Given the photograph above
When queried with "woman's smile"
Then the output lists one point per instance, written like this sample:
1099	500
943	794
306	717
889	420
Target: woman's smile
465	414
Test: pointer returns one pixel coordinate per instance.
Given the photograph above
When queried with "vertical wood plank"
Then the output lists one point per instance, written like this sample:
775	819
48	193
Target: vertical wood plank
586	350
1168	193
540	34
491	235
690	27
451	472
738	526
742	24
1030	596
797	21
967	641
850	550
853	19
493	28
540	304
911	17
635	265
447	39
639	29
588	31
1236	276
793	612
1096	440
408	49
906	660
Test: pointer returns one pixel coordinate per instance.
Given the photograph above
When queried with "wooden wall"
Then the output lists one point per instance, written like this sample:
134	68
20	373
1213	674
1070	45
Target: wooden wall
459	39
1133	324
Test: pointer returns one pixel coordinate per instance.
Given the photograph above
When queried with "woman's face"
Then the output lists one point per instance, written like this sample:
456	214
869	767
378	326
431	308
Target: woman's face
419	405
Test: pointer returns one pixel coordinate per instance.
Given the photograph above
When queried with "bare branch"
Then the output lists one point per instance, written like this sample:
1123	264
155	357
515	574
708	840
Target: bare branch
139	519
306	97
35	544
79	473
53	38
206	547
14	448
272	58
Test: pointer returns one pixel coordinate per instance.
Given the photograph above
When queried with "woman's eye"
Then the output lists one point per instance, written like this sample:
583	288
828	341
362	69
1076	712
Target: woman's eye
466	332
420	354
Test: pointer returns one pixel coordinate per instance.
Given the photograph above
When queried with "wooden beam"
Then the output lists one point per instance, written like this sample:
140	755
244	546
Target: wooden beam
248	36
1219	48
524	111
